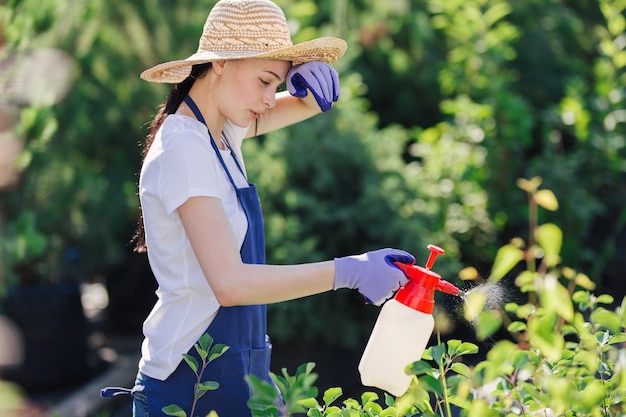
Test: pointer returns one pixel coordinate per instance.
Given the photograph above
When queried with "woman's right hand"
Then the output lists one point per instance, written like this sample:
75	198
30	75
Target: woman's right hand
319	78
373	274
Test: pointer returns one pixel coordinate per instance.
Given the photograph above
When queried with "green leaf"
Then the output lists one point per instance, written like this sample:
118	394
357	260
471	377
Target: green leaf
419	368
217	351
516	327
467	348
453	344
607	320
582	298
438	352
372	408
331	394
368	396
202	352
605	299
507	257
585	282
529	186
308	403
192	362
544	335
593	394
550	237
555	297
547	200
203	387
458	348
474	305
389	412
174	410
618	338
487	324
461	368
526	279
431	384
205	341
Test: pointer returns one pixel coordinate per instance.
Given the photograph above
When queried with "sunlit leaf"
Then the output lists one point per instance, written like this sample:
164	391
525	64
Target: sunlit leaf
544	335
555	297
606	319
331	394
368	396
217	351
584	281
547	200
467	348
206	386
550	237
529	186
438	352
474	305
507	257
487	324
205	341
461	369
191	361
481	408
605	299
419	368
516	326
431	384
594	393
174	410
468	274
588	359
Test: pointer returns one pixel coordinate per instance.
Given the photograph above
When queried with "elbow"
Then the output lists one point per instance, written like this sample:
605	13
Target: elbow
227	296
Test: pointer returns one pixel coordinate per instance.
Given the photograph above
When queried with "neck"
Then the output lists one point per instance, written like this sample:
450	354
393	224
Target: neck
212	117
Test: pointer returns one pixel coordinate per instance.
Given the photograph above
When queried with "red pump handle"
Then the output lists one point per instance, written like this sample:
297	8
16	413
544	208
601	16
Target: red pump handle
434	252
418	293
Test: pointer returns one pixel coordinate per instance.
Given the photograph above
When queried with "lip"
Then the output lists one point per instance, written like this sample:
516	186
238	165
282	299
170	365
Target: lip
254	115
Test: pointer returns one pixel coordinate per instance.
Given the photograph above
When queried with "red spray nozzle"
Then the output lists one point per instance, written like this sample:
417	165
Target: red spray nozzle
419	292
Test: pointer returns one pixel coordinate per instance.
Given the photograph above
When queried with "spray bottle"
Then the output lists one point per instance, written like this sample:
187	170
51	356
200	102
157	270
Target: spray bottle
403	328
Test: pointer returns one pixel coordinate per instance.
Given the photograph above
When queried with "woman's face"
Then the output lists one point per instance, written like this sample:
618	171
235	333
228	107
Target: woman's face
247	88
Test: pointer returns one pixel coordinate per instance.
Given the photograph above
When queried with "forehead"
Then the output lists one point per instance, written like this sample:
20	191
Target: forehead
278	67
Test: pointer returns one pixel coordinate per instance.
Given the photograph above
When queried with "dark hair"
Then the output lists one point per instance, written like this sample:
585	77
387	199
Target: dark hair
171	104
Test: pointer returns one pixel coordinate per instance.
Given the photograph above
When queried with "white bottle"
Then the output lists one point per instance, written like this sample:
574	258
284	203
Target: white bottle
403	328
399	338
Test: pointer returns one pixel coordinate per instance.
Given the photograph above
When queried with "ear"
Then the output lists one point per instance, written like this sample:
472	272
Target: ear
218	66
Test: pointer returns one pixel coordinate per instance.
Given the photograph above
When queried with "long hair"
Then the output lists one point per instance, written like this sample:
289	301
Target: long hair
171	104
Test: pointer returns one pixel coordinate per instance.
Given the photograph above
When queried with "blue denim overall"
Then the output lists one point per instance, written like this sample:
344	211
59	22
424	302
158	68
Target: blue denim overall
242	328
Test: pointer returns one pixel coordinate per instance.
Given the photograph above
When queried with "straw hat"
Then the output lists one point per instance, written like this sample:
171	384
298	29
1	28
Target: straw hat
239	29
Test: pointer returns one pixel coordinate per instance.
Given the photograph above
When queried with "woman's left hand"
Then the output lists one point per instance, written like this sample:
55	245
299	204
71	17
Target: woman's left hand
318	77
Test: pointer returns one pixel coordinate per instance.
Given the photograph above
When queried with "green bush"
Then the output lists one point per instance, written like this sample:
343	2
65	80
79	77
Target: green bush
564	355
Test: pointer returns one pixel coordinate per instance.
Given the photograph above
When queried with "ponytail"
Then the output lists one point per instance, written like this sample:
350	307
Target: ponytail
171	104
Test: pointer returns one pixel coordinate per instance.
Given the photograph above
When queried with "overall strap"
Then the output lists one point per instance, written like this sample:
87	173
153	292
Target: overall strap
196	111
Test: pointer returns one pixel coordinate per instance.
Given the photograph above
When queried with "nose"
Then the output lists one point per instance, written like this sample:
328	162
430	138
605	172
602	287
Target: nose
269	100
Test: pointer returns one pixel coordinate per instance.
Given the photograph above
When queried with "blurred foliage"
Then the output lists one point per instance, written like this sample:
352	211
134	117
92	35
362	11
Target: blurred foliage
564	354
444	105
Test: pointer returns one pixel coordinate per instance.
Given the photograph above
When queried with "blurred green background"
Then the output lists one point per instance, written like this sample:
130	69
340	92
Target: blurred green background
444	105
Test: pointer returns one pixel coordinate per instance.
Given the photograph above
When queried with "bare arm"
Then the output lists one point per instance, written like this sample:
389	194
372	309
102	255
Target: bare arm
288	110
236	283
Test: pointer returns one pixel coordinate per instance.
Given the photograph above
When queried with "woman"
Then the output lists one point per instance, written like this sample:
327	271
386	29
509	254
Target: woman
202	220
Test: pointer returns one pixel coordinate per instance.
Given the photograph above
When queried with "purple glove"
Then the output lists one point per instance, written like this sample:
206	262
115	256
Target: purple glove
320	78
372	273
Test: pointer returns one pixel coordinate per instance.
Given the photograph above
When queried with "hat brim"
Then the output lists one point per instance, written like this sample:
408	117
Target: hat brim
326	49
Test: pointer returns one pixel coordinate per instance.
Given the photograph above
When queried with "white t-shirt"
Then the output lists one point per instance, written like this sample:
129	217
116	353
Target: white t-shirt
180	164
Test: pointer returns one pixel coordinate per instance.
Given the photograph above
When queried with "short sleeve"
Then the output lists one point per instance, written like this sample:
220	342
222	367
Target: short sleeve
187	168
